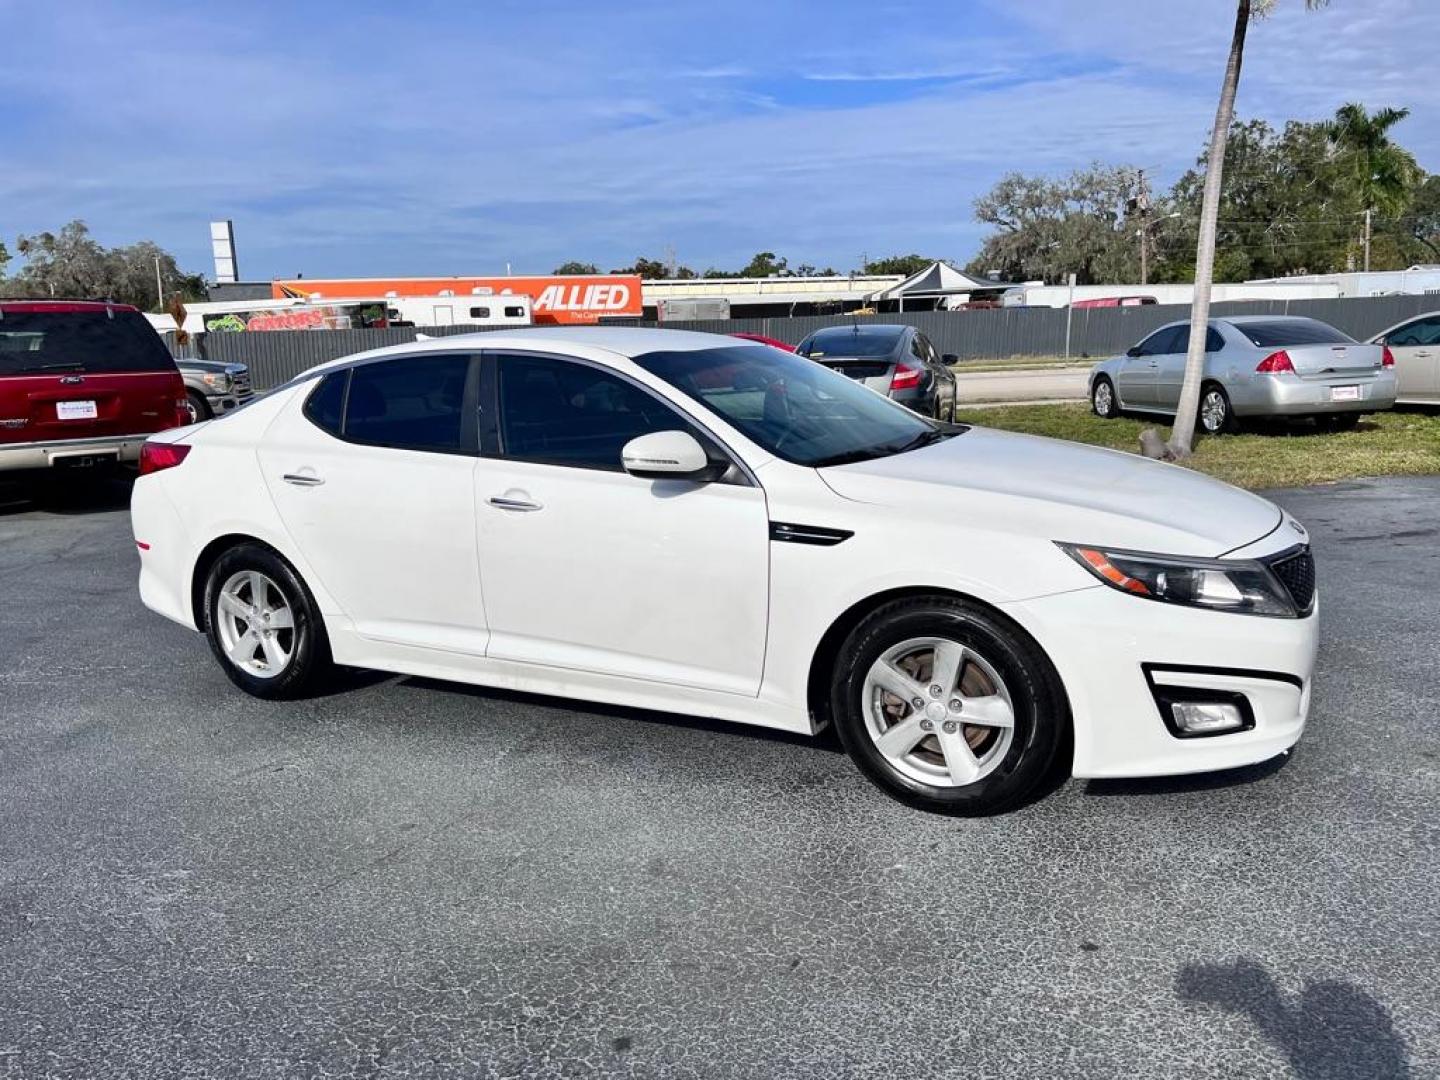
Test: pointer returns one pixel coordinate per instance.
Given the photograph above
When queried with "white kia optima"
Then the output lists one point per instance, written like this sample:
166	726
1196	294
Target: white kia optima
693	523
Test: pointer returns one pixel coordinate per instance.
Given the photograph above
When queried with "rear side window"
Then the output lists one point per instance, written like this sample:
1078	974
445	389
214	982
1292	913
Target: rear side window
326	402
412	403
84	342
1282	332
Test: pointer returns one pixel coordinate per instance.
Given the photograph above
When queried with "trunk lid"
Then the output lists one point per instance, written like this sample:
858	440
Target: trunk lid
874	372
1338	360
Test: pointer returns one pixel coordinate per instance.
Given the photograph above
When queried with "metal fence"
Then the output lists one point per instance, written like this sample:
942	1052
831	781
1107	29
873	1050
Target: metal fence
997	334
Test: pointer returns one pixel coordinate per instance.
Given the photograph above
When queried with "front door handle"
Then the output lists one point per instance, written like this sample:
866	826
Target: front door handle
303	478
519	506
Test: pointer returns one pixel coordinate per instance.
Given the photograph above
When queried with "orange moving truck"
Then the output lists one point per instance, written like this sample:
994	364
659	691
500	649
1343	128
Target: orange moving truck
557	300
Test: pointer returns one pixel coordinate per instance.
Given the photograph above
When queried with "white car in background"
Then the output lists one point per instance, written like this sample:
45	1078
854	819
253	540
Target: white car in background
688	522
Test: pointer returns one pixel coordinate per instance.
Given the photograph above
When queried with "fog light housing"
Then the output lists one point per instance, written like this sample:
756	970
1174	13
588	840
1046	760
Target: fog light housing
1198	712
1206	717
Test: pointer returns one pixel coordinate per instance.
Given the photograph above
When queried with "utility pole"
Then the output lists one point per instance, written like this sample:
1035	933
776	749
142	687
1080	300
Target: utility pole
1142	205
1069	312
1367	241
159	288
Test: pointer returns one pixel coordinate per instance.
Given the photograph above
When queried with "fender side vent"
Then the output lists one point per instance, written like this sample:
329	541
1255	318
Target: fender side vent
817	535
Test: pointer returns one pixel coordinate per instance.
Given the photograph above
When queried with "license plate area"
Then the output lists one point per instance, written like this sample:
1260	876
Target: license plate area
1345	393
76	410
102	460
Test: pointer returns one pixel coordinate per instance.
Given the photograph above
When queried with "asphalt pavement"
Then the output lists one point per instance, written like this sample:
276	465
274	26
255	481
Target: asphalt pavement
413	879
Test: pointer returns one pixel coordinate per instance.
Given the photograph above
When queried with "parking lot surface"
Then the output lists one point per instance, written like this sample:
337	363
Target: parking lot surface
413	879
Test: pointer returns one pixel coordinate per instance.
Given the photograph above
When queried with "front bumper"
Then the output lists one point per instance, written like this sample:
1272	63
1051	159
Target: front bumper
42	455
1103	642
1290	395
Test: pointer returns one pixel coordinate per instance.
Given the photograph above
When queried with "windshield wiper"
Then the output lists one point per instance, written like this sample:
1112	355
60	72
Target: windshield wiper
69	365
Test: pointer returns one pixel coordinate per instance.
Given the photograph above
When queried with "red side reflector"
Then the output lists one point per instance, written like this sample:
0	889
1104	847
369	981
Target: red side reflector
905	377
1387	358
142	545
1276	362
158	456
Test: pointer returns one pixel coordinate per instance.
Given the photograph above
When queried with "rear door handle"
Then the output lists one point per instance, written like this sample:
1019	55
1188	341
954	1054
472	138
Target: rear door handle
303	478
520	506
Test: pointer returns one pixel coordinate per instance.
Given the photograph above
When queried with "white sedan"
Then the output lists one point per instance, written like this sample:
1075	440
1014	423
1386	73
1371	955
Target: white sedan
693	523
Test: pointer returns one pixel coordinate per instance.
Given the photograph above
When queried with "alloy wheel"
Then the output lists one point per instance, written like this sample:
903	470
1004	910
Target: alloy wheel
938	712
1104	399
256	624
1213	408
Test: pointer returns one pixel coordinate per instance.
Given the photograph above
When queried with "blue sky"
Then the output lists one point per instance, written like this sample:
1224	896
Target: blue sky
354	138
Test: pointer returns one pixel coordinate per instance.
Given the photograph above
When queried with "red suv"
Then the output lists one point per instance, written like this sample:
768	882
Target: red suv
82	383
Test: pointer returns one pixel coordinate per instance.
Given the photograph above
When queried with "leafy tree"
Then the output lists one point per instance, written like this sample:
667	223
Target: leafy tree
73	263
577	268
1046	229
764	264
904	265
1422	227
656	270
4	259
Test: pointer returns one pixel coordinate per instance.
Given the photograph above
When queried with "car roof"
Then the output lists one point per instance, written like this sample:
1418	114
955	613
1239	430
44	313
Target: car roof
624	341
38	304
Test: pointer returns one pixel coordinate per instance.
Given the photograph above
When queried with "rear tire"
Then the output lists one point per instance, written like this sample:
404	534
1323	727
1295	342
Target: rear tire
1216	417
1005	716
263	625
1102	399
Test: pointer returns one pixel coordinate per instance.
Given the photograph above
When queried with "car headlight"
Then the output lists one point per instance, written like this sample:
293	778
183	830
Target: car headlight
1242	586
218	381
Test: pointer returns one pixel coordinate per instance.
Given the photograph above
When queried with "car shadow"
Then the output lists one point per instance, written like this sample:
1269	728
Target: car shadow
825	740
99	493
1178	785
1331	1030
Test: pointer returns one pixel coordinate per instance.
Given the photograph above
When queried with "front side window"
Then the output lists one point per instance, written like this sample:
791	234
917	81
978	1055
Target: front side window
1420	332
1160	342
411	402
559	412
793	408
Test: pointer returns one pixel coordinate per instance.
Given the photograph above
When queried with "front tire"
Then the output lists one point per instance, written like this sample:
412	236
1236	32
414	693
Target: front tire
197	407
1102	399
948	707
263	625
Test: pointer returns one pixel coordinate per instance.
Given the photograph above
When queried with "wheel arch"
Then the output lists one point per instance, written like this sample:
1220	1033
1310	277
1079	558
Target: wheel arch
211	553
822	661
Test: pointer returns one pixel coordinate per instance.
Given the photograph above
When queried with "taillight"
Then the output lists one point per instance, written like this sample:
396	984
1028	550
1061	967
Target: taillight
158	456
905	377
1387	358
1275	363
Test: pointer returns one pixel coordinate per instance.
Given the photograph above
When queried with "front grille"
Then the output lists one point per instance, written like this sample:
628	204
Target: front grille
240	384
1296	570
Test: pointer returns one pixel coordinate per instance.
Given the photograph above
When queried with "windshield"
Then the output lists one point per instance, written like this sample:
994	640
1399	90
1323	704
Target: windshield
1272	335
854	341
85	342
792	407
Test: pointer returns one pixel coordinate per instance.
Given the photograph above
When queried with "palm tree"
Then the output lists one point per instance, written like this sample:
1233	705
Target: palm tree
1381	175
1182	435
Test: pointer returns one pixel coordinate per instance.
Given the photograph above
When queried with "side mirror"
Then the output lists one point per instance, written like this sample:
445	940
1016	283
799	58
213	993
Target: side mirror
950	358
1133	350
670	455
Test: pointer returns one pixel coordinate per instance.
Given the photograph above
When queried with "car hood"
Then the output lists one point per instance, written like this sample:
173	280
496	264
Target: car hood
1064	491
187	364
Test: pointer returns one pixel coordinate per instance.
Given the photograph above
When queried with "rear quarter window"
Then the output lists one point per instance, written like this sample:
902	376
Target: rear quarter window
83	342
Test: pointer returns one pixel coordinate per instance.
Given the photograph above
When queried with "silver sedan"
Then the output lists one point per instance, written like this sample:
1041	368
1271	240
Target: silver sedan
1255	366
